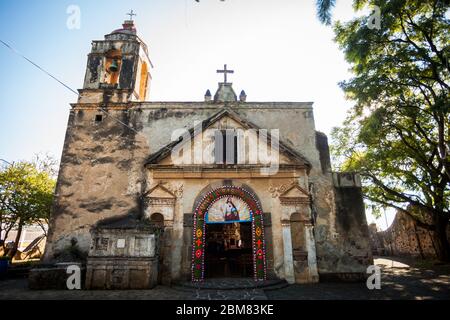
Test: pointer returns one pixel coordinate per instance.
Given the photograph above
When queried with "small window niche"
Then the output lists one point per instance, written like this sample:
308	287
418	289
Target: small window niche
113	63
98	118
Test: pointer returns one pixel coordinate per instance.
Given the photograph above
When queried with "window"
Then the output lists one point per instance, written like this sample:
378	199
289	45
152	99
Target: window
226	147
98	118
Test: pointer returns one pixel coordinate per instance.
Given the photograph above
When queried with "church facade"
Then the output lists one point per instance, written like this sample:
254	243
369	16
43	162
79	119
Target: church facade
237	188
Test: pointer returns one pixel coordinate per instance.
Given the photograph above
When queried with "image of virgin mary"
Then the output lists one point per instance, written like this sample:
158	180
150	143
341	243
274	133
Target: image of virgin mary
231	212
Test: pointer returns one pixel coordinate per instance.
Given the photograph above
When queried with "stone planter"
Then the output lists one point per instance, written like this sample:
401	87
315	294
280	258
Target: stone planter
121	273
53	277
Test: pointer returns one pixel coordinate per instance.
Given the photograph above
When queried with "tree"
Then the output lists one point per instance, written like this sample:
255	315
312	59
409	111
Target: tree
324	8
397	134
26	195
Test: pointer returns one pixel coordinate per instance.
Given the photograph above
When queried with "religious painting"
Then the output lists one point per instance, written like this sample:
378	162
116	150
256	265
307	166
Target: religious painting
228	209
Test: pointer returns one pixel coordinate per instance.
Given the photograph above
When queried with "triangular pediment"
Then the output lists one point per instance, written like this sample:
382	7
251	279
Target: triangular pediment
295	191
294	195
160	192
223	120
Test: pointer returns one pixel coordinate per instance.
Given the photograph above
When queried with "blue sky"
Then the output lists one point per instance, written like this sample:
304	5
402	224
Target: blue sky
278	49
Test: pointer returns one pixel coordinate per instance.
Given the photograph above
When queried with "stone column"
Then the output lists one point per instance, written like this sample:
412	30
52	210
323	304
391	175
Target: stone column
289	275
166	254
277	239
177	241
310	243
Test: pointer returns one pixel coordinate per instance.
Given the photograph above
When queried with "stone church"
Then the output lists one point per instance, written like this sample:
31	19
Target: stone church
164	192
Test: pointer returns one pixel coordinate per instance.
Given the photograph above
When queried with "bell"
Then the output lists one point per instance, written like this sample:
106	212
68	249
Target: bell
114	67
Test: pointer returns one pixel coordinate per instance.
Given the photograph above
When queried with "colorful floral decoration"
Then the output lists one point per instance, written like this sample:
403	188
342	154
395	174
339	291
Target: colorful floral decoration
198	252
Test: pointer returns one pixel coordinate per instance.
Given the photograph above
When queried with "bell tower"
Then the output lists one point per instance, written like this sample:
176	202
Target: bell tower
118	68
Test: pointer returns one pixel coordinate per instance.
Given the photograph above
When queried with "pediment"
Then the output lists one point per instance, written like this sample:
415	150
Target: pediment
160	192
295	191
225	119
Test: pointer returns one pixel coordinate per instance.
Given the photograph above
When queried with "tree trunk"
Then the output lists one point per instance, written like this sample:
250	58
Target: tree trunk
13	251
5	253
440	235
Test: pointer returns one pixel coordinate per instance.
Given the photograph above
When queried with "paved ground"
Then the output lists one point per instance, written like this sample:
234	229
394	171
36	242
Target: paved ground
400	279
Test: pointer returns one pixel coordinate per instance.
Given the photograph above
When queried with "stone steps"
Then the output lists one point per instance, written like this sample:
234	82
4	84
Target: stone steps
232	284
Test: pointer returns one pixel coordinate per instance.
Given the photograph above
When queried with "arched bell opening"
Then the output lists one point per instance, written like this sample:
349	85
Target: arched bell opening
113	63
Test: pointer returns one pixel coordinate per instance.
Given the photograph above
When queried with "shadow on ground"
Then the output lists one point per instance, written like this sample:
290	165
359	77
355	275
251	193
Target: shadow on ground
401	279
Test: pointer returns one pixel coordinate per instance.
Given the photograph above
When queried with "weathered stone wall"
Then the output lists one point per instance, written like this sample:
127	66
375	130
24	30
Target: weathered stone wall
404	238
98	162
344	251
376	243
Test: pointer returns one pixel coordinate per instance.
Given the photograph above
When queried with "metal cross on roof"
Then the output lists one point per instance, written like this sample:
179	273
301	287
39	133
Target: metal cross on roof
225	71
131	14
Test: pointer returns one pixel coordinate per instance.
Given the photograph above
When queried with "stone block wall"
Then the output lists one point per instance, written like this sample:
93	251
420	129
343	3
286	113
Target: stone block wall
404	238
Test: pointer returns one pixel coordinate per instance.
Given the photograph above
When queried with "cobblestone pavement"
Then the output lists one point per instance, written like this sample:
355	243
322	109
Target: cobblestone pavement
403	281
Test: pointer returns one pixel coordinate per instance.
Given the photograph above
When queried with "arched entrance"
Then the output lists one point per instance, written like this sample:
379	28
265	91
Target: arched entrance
228	205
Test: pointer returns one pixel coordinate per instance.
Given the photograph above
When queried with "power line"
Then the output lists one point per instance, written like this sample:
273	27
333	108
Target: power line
62	83
37	66
67	87
119	121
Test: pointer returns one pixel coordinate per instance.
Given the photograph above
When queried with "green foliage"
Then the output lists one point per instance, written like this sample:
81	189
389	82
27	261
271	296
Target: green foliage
26	194
397	134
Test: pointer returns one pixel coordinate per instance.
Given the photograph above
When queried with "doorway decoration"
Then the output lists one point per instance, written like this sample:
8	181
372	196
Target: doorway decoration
228	209
228	204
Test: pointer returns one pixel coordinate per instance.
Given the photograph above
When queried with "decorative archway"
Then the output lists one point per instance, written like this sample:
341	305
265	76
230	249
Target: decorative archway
256	217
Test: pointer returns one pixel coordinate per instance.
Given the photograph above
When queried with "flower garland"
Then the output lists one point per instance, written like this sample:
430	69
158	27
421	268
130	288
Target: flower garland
198	246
